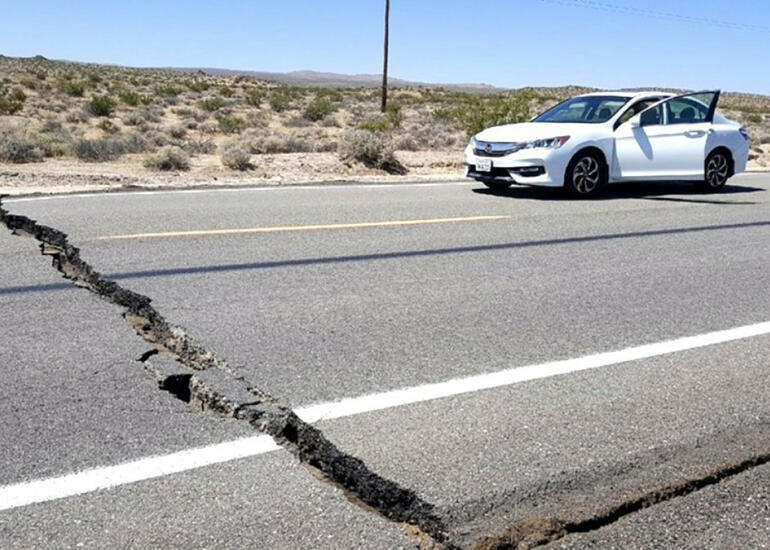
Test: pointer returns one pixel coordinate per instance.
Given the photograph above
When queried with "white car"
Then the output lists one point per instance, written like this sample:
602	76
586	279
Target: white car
609	137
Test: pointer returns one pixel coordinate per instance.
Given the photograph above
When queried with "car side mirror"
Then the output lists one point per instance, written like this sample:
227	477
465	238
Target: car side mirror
635	121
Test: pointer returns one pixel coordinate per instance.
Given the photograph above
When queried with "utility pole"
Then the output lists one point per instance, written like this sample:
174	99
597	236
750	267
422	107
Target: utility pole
384	105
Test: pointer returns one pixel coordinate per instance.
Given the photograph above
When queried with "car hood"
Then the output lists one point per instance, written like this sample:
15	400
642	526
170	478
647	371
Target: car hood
528	131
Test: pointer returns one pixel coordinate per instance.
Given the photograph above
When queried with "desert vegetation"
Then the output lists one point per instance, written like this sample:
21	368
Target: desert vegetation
172	121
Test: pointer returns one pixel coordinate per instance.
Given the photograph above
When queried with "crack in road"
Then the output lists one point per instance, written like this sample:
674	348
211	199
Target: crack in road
211	385
539	531
208	384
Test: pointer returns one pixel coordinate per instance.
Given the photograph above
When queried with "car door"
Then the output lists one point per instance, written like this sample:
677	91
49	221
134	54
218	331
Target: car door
667	140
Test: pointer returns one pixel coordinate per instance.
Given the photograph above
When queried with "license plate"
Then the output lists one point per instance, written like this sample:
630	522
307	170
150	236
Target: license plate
483	165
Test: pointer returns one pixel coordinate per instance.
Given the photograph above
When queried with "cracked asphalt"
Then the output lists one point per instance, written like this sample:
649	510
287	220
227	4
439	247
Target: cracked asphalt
320	315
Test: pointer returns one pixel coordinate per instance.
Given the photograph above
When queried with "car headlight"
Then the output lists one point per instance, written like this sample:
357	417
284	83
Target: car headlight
549	143
473	143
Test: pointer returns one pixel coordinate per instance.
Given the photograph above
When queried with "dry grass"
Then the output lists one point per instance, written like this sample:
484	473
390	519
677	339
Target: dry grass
100	113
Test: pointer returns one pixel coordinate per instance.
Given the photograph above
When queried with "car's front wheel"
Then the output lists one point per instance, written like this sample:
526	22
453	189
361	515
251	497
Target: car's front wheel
717	171
585	175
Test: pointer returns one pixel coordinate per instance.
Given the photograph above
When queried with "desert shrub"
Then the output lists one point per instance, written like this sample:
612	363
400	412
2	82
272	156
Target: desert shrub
9	106
167	90
77	116
211	104
236	157
93	80
197	85
168	158
132	143
51	125
326	147
754	119
331	121
30	83
97	150
296	122
372	150
377	125
226	91
133	119
390	120
208	128
330	94
427	136
257	119
101	105
157	138
74	88
478	112
107	126
266	144
177	132
230	124
18	147
318	109
254	97
198	146
129	98
55	144
282	99
146	99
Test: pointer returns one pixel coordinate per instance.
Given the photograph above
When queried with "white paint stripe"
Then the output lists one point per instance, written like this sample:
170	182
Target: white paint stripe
98	194
43	490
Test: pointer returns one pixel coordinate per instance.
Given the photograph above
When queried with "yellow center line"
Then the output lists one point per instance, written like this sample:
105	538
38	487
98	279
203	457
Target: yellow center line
286	228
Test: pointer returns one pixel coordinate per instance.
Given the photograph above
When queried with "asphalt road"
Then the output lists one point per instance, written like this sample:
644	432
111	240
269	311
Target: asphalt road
342	291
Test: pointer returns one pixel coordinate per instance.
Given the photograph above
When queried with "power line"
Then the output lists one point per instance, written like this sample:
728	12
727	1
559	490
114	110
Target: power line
658	14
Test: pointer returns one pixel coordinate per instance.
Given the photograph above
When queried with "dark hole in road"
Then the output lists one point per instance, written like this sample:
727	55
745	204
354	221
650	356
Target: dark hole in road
177	385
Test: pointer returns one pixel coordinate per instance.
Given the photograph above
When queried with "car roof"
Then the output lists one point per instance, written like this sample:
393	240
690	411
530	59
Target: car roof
629	94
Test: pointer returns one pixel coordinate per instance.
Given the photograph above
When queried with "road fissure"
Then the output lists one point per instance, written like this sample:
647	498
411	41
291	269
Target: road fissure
214	387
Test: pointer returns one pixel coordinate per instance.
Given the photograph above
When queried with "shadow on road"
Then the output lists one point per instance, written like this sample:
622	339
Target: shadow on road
641	190
253	266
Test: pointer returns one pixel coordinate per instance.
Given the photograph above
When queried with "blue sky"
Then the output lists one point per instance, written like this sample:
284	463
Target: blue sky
509	43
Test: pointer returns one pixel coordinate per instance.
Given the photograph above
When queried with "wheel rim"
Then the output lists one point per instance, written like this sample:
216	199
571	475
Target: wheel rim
717	170
586	175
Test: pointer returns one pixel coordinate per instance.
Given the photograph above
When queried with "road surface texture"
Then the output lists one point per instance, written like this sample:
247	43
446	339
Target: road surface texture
577	374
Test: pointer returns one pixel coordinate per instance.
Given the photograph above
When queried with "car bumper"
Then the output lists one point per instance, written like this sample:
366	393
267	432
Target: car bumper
543	167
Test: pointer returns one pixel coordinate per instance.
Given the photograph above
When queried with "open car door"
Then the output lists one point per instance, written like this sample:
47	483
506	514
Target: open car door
667	140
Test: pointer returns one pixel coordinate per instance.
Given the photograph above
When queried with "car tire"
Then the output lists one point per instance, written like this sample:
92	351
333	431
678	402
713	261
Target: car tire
497	185
585	175
716	171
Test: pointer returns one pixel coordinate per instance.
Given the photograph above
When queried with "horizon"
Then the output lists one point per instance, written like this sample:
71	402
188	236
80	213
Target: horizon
345	38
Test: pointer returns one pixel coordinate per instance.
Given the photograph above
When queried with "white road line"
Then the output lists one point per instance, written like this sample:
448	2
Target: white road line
44	490
235	190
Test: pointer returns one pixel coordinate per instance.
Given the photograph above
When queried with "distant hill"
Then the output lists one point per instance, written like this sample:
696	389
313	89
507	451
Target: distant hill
333	80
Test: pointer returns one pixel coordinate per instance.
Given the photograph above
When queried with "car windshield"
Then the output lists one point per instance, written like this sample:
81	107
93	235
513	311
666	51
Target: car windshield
586	109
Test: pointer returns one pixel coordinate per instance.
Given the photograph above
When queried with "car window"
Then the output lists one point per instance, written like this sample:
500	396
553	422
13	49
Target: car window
689	109
652	116
586	109
636	108
685	111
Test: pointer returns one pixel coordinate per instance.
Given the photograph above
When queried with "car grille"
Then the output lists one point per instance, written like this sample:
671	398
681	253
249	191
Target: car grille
495	149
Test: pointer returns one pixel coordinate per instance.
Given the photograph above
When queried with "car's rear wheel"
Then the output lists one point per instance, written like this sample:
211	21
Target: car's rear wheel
585	175
497	185
717	171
